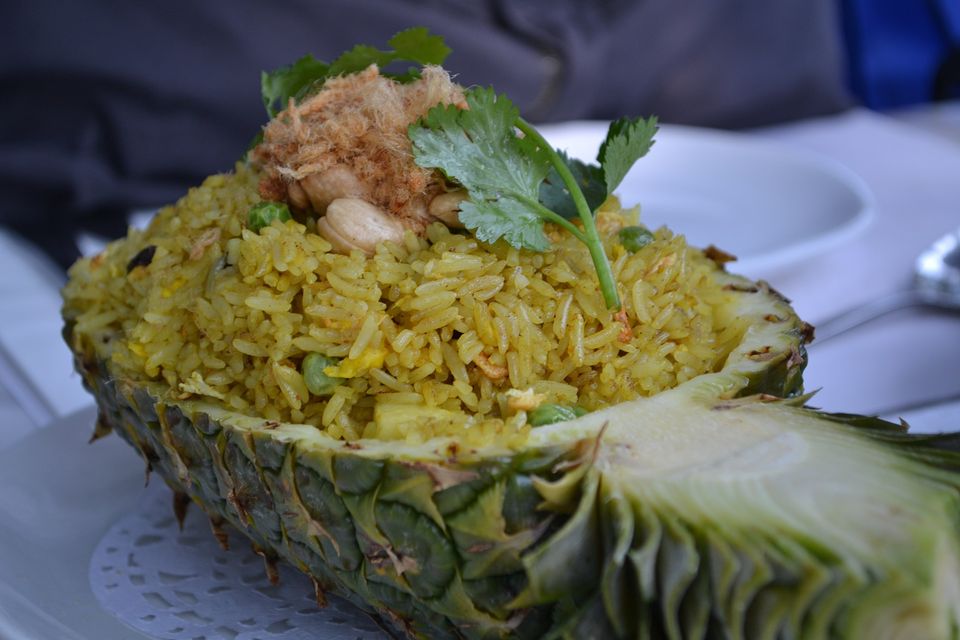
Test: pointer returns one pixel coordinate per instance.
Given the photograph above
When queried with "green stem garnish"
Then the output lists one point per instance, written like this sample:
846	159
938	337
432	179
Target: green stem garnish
506	175
555	218
608	286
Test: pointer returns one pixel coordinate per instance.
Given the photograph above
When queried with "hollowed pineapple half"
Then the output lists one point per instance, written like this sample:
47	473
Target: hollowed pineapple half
719	509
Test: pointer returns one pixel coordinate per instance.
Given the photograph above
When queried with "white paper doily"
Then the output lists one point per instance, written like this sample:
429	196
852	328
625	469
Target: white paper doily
182	586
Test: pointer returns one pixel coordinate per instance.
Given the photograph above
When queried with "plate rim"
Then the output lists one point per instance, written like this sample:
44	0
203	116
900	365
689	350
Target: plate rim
61	613
769	262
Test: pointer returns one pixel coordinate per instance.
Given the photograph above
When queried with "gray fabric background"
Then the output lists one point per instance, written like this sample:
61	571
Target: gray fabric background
109	106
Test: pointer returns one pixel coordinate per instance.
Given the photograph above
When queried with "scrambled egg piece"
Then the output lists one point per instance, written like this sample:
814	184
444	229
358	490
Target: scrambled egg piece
353	367
524	400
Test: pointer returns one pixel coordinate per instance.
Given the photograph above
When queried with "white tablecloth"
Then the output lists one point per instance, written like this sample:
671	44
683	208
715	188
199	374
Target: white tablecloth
912	357
912	165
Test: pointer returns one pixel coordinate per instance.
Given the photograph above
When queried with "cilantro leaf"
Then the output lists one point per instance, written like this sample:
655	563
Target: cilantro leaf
503	172
308	74
411	45
357	59
507	218
628	140
479	148
278	86
556	196
418	45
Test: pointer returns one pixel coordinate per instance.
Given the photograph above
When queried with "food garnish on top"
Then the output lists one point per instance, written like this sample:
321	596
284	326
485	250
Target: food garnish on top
348	141
473	161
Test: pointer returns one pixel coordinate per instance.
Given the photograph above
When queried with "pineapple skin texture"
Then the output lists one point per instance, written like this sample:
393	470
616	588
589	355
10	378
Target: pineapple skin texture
435	549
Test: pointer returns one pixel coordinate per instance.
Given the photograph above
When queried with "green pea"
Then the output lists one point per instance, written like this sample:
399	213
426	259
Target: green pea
264	213
548	413
635	238
318	383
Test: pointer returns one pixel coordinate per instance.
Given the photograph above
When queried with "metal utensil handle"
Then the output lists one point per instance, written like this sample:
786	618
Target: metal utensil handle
857	316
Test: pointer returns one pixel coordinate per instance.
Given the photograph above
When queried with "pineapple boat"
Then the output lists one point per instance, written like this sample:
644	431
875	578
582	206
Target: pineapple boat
430	361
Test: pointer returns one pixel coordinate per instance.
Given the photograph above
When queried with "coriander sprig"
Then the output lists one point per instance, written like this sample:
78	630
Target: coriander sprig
509	177
307	75
591	238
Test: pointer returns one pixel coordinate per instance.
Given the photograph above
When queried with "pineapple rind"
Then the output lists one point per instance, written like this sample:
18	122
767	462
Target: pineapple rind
442	549
369	530
540	542
884	568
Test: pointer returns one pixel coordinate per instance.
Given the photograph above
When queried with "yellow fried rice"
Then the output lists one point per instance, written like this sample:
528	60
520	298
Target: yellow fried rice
442	335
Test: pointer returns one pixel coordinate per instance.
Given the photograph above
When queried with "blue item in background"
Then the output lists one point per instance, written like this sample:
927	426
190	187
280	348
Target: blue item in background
902	52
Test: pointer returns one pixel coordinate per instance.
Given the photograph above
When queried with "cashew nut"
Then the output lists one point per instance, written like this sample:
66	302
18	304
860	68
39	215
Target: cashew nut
446	208
323	188
298	197
352	223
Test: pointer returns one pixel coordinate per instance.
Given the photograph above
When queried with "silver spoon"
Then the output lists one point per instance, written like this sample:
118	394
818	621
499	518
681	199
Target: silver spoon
936	283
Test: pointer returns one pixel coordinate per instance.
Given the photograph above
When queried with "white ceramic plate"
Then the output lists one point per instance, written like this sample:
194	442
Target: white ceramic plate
59	498
771	206
86	553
